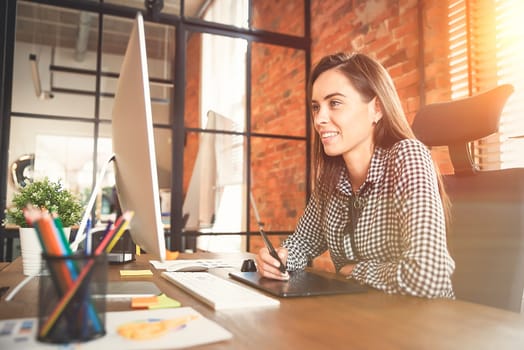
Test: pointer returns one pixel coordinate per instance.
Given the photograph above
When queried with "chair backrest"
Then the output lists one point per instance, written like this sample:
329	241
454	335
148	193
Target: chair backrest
486	232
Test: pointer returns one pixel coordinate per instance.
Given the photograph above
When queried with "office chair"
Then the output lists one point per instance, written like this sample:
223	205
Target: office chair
486	230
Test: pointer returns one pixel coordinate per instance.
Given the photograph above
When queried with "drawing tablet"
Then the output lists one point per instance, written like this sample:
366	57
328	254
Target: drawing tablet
300	284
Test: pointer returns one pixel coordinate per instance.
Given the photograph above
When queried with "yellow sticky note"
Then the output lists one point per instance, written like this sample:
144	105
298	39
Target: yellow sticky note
136	273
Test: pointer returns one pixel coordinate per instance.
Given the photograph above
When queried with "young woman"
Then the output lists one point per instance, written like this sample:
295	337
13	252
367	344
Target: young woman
377	204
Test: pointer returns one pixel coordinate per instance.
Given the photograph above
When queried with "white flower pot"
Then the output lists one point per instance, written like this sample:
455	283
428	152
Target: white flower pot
31	250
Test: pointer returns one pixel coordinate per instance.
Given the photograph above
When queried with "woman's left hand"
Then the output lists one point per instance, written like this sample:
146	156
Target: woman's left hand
346	270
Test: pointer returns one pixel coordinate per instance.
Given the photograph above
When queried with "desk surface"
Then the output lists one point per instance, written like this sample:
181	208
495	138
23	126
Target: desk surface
372	320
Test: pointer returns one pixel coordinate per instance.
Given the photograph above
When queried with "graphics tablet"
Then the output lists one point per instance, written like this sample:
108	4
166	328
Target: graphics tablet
300	284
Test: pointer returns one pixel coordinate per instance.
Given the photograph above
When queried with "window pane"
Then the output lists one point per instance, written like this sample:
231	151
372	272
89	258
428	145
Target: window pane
49	42
160	55
493	45
214	182
215	80
214	188
230	12
278	90
214	161
170	6
66	155
163	146
163	158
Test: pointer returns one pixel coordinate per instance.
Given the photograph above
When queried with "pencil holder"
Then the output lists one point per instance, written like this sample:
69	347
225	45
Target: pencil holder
72	300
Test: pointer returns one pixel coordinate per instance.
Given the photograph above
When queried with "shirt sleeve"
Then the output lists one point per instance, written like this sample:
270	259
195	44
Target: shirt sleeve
424	267
308	241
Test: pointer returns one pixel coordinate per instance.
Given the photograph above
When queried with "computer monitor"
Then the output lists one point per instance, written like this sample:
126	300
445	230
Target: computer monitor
216	165
134	147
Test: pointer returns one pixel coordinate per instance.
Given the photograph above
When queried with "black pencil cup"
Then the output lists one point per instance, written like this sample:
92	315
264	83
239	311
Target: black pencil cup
72	300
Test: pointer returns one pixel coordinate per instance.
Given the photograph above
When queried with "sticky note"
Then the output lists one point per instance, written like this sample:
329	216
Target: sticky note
161	301
164	302
143	302
136	273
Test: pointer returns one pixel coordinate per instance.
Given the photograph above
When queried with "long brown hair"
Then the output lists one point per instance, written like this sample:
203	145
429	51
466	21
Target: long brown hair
370	79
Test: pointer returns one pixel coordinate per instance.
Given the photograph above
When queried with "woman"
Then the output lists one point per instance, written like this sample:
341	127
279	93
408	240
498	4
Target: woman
377	205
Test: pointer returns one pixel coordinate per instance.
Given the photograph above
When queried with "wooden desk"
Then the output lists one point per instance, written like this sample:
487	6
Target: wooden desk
372	321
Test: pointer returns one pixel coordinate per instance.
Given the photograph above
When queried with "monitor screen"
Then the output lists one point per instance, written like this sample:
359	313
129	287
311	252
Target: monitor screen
134	147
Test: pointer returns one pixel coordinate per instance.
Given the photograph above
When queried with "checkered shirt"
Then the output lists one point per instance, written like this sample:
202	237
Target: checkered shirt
400	235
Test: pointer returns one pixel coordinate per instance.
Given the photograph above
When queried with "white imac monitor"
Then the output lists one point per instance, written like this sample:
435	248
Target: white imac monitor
214	200
214	167
134	147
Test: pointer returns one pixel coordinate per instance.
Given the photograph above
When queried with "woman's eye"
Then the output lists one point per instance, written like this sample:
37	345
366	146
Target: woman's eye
334	103
315	108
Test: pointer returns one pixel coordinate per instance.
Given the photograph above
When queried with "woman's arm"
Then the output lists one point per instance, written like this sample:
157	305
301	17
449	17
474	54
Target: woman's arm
308	241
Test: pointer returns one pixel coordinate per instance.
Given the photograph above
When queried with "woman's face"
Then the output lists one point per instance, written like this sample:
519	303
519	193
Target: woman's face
342	119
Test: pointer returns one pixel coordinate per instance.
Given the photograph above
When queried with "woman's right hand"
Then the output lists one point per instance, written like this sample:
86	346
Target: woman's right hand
268	266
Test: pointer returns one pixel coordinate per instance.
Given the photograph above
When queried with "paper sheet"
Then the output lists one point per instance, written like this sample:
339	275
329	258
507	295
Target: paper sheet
169	329
209	263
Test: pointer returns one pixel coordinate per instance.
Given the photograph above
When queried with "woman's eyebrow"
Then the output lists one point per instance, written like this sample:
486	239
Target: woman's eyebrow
328	96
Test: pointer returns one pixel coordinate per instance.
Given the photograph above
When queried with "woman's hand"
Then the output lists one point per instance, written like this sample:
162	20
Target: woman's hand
346	270
268	266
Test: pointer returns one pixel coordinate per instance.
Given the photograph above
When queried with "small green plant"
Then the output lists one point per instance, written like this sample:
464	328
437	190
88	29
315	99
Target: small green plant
45	194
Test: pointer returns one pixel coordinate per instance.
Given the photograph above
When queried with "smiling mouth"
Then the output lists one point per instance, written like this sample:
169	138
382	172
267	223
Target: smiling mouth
326	135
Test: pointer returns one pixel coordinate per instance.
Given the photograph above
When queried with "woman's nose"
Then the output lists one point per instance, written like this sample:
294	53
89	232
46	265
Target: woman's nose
321	116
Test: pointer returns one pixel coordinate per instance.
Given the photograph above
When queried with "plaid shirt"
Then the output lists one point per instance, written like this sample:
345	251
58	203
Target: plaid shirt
399	242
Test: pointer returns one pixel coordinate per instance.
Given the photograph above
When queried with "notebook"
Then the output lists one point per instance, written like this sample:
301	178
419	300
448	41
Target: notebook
300	284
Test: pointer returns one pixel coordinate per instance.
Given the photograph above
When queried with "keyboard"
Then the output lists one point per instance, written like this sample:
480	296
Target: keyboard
218	292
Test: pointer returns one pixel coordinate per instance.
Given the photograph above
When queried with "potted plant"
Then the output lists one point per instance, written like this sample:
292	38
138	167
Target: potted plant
44	194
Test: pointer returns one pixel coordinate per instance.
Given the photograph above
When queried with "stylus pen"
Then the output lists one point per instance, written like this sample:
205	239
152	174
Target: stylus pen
272	250
267	242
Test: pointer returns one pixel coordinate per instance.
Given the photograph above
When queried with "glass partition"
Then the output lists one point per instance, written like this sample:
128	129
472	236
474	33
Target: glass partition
241	94
229	12
214	151
51	42
65	156
160	48
169	6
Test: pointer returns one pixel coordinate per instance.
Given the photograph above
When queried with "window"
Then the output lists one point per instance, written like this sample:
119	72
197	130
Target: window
486	45
245	61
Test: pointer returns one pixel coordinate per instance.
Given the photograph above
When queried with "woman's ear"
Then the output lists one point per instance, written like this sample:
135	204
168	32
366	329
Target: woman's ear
375	109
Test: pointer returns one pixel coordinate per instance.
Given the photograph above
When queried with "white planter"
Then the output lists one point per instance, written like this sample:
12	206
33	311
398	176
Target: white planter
31	250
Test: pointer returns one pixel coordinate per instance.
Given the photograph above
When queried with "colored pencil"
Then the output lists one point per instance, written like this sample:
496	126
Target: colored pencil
54	243
123	222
